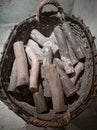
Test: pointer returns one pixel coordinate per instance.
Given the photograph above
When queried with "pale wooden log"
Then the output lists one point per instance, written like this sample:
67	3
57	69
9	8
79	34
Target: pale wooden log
55	87
48	59
78	69
38	37
72	54
39	101
48	55
36	49
53	38
60	63
52	42
48	41
21	63
68	65
63	49
34	73
61	41
54	48
77	49
12	84
68	87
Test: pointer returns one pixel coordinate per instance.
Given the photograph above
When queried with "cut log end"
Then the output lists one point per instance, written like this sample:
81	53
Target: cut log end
34	89
34	73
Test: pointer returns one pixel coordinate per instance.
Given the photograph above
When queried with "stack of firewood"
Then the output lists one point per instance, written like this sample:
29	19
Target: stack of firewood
47	67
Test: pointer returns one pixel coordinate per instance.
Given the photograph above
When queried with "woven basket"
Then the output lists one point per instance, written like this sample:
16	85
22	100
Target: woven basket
45	23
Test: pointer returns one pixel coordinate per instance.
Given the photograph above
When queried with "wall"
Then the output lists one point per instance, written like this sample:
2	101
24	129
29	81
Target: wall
87	10
13	11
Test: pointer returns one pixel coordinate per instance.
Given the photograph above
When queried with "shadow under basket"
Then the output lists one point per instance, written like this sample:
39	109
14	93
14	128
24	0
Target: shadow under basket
78	102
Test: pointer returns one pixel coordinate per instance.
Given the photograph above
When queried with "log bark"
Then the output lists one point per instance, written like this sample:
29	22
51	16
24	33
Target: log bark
53	38
48	55
72	54
47	91
21	63
68	87
55	87
77	49
48	59
54	48
60	63
63	49
78	69
39	101
34	73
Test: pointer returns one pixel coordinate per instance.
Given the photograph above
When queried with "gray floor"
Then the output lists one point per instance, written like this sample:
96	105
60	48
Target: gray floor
14	11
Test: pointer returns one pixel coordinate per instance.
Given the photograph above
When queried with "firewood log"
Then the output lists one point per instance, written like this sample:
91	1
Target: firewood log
12	84
48	55
38	37
78	69
48	41
60	62
68	87
34	73
72	54
21	64
55	87
53	38
63	49
36	49
76	48
48	59
39	101
54	48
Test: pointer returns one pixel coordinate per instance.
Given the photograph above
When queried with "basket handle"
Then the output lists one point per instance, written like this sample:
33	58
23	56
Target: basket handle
52	2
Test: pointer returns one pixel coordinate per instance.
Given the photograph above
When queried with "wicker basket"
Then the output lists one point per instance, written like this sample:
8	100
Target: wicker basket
45	22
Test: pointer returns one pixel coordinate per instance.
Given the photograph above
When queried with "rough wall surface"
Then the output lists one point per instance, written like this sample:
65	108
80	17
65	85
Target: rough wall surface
87	10
13	11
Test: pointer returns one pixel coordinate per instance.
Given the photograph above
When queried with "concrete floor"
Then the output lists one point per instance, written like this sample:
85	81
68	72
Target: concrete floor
14	11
